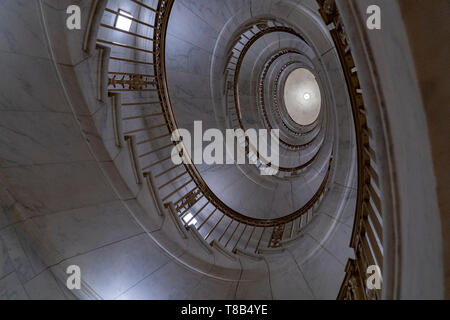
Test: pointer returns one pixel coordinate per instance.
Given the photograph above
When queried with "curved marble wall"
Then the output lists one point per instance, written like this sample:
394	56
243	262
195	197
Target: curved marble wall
395	73
228	182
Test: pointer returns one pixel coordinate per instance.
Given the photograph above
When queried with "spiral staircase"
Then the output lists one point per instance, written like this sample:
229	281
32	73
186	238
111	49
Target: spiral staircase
91	182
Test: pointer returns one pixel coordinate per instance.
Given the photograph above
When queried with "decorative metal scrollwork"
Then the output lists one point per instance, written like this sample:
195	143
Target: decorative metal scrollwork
130	81
277	236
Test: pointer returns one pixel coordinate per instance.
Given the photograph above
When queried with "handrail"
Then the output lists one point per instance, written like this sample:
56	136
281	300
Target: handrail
238	66
172	126
261	92
367	238
145	157
232	85
312	127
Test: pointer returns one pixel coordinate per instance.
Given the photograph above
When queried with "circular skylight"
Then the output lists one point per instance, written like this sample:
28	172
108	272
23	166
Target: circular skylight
302	96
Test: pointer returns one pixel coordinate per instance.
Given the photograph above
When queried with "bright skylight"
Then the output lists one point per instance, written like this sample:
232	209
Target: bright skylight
122	22
302	96
188	217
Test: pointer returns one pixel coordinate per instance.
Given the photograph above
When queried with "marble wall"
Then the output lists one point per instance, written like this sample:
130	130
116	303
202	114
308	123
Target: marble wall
407	61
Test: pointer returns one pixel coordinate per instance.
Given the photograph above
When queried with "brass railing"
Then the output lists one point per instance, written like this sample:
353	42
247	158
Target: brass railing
367	236
318	124
264	28
238	50
138	87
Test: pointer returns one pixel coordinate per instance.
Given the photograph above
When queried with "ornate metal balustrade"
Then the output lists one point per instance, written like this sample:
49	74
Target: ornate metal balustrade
238	50
138	89
367	236
317	126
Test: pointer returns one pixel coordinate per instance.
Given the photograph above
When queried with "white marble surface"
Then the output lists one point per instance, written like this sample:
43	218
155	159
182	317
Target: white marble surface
403	130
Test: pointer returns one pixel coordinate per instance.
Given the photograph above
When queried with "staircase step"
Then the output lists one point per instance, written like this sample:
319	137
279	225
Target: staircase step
154	193
219	248
198	237
131	144
176	221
